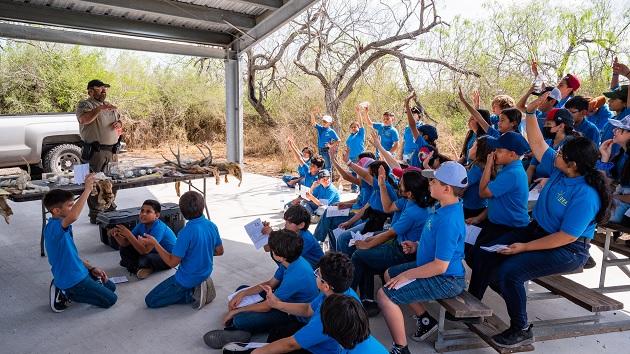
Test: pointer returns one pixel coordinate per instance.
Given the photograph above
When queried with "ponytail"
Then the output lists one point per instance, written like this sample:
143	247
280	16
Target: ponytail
597	180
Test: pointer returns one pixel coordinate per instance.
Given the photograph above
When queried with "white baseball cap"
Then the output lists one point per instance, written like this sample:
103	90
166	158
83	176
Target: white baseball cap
555	94
327	119
450	172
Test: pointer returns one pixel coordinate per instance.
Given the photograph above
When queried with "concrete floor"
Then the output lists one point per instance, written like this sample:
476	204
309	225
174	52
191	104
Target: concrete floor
27	325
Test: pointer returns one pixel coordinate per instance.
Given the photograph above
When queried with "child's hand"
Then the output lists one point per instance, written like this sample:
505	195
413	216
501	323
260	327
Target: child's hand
344	226
123	231
150	239
266	230
89	181
272	300
228	317
363	244
399	279
233	304
346	155
409	247
381	176
99	273
533	105
514	248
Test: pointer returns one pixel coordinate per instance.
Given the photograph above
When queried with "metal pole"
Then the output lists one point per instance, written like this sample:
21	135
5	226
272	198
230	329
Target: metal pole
233	107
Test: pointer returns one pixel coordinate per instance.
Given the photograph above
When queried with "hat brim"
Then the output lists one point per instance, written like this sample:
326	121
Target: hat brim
428	173
613	94
617	123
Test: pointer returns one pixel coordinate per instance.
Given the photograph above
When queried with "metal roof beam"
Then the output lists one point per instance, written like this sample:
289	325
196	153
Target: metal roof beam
47	34
271	23
181	10
263	4
19	12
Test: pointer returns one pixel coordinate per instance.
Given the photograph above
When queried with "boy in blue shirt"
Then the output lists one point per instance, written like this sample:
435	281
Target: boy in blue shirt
507	194
322	193
194	249
389	135
298	219
304	162
326	136
578	107
293	282
346	321
334	276
438	272
409	142
74	279
140	258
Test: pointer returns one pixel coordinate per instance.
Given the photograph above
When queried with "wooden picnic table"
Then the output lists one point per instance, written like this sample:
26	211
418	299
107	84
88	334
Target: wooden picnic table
130	183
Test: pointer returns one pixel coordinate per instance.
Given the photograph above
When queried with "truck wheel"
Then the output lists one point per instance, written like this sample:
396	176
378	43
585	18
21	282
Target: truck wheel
61	158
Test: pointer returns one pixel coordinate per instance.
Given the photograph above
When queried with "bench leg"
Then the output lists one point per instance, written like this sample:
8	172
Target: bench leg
606	251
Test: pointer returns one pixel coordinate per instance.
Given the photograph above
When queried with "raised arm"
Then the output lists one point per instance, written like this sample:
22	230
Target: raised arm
388	205
313	114
622	69
410	120
476	115
534	135
375	140
296	152
362	172
358	112
614	80
75	211
344	174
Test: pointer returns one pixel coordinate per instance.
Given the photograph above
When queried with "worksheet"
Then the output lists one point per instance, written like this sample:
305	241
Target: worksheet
254	231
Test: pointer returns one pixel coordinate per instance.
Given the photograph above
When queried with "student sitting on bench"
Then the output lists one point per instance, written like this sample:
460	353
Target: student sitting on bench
74	279
575	198
141	258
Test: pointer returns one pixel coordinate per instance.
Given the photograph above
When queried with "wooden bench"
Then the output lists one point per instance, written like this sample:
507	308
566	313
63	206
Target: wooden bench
467	306
604	240
579	294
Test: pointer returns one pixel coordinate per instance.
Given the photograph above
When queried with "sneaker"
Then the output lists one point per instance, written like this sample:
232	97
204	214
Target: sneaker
212	293
426	325
513	337
590	263
200	295
218	338
143	273
232	348
58	300
396	349
371	307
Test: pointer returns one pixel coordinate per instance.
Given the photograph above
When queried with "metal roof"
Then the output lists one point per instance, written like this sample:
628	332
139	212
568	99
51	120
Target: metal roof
196	27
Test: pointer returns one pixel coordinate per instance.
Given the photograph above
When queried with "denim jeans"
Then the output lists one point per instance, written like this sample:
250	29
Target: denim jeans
132	260
618	211
375	261
168	292
323	152
309	206
259	322
90	291
489	232
344	238
508	274
326	225
287	178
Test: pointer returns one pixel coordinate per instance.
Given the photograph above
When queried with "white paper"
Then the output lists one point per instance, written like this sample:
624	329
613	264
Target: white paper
357	236
303	190
118	280
80	172
324	202
534	194
255	345
472	232
247	300
400	285
495	248
254	231
338	231
333	211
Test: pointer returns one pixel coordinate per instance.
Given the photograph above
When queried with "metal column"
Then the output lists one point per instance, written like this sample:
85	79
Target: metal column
233	108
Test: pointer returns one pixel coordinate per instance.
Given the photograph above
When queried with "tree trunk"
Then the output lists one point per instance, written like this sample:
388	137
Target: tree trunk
256	102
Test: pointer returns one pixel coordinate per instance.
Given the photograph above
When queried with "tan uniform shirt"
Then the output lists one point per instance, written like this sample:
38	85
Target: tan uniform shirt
100	129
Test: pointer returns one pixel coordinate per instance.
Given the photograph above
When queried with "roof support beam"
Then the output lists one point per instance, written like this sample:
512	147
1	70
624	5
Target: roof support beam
181	10
19	12
263	4
271	23
47	34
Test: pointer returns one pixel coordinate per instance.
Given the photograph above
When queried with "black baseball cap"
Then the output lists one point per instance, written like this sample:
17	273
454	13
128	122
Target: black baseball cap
561	115
96	83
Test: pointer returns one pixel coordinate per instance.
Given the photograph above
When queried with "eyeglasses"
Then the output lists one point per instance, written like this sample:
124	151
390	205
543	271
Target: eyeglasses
619	130
563	156
318	275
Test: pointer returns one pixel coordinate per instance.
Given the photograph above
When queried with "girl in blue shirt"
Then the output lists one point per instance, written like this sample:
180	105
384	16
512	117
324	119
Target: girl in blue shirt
304	162
509	119
383	250
355	142
617	167
473	132
556	241
473	203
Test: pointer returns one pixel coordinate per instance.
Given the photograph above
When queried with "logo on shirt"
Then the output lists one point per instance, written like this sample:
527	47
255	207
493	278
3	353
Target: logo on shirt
561	199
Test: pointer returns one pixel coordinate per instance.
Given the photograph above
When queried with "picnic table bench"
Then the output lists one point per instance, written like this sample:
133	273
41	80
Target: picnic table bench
604	240
138	182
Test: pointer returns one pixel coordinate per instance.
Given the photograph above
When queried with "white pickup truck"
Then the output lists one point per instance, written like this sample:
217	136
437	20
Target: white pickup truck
48	142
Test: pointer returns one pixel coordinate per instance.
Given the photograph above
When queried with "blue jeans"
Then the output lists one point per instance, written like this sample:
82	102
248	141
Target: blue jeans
508	274
259	322
287	178
375	261
168	292
309	206
344	238
326	225
619	211
323	152
90	291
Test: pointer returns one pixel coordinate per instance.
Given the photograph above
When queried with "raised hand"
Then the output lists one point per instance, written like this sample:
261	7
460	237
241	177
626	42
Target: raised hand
476	99
606	149
381	176
621	69
346	155
461	94
375	139
533	105
534	67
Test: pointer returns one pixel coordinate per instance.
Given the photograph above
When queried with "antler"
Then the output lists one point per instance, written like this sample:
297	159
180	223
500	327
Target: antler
177	157
207	159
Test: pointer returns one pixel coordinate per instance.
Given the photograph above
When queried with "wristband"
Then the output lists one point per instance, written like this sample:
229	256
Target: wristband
604	166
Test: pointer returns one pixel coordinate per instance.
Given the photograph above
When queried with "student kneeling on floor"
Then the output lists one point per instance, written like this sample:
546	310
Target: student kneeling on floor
74	279
438	272
194	249
142	258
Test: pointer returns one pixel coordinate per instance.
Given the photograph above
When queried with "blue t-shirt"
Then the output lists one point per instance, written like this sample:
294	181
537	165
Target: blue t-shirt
469	145
541	171
370	345
304	168
566	204
493	133
375	199
309	179
160	232
494	121
329	193
600	117
401	204
409	225
541	117
356	143
589	130
311	337
420	143
471	198
388	134
409	143
325	136
443	238
311	251
562	102
195	246
365	192
66	266
297	282
510	193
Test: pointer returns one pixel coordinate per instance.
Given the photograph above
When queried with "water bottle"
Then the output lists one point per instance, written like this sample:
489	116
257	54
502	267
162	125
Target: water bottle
538	85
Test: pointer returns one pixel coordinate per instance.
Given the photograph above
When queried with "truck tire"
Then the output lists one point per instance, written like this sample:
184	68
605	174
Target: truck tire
61	158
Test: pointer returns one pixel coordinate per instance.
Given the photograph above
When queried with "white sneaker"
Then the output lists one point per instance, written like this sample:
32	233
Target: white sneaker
200	294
